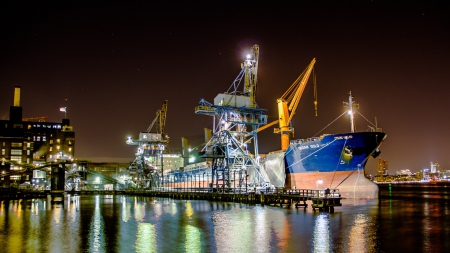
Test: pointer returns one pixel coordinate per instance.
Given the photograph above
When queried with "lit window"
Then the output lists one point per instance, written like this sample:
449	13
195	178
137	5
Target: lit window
3	151
50	149
57	147
58	140
51	141
17	158
28	145
16	144
70	149
44	138
38	138
16	152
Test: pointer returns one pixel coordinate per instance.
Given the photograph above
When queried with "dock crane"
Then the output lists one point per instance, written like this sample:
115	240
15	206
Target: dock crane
287	105
151	146
236	118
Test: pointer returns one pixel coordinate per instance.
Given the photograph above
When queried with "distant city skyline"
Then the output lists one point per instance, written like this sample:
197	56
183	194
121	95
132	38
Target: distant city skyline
112	65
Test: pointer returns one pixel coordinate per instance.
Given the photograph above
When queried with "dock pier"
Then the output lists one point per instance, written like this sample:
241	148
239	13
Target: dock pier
320	199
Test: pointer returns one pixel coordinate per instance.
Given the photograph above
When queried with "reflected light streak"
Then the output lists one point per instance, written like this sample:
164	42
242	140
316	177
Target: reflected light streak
96	233
261	229
321	241
189	209
426	246
57	214
146	238
139	210
362	236
193	239
233	231
126	209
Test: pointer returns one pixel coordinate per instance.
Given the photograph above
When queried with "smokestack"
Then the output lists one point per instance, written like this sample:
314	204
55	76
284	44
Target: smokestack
17	96
15	111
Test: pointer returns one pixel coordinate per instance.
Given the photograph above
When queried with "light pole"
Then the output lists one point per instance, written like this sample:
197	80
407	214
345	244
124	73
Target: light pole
319	181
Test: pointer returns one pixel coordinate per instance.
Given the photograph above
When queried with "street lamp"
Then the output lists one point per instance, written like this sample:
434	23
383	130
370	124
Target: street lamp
319	181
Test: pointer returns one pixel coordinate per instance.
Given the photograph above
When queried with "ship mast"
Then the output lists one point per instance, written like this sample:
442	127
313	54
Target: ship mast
351	105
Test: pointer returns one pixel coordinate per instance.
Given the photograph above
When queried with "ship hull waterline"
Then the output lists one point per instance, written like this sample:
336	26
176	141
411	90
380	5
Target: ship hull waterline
335	162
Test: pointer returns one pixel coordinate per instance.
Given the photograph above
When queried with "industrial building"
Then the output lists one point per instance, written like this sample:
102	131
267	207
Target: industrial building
30	142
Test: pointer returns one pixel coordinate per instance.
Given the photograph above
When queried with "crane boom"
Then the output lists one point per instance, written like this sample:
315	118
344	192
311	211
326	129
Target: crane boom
160	120
250	66
288	103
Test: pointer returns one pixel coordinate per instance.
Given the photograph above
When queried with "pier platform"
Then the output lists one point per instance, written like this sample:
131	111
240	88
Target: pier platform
319	199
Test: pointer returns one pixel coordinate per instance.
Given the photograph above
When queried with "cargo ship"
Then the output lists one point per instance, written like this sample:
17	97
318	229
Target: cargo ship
334	161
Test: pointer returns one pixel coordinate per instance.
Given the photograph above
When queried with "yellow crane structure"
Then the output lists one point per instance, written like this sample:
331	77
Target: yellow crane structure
287	105
160	121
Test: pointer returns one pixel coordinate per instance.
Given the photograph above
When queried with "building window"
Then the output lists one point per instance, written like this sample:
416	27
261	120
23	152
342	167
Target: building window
16	145
3	151
16	158
43	138
50	149
57	147
29	126
58	140
70	149
70	142
28	160
28	152
51	141
38	138
14	178
16	152
28	145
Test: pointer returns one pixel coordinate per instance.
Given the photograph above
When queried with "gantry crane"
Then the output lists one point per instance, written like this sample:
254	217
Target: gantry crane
287	105
151	146
236	118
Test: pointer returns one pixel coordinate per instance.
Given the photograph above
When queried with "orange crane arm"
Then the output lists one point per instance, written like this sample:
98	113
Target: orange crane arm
293	95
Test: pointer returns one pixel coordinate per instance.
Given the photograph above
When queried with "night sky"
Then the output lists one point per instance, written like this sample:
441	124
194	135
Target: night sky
113	65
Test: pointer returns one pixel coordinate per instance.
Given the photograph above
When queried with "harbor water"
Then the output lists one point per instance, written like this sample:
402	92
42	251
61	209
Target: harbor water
107	223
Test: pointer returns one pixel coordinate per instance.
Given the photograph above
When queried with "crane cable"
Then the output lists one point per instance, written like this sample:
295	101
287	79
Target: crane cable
315	91
330	123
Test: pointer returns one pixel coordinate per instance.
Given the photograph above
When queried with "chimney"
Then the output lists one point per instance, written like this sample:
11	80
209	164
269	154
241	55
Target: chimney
17	96
15	111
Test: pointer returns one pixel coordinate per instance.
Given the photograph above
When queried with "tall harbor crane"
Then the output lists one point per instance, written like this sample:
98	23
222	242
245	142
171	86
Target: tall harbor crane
148	163
236	117
287	105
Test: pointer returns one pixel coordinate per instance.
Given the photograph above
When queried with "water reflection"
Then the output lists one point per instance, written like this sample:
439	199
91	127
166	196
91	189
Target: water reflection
321	235
96	242
137	224
146	238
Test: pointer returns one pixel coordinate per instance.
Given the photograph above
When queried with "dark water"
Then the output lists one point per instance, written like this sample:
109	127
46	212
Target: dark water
140	224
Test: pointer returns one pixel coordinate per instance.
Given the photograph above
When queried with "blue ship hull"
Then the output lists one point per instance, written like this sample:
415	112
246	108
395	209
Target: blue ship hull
338	152
333	161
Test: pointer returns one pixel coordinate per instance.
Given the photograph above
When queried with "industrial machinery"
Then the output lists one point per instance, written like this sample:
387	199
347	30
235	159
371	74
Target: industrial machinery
287	104
148	164
236	119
